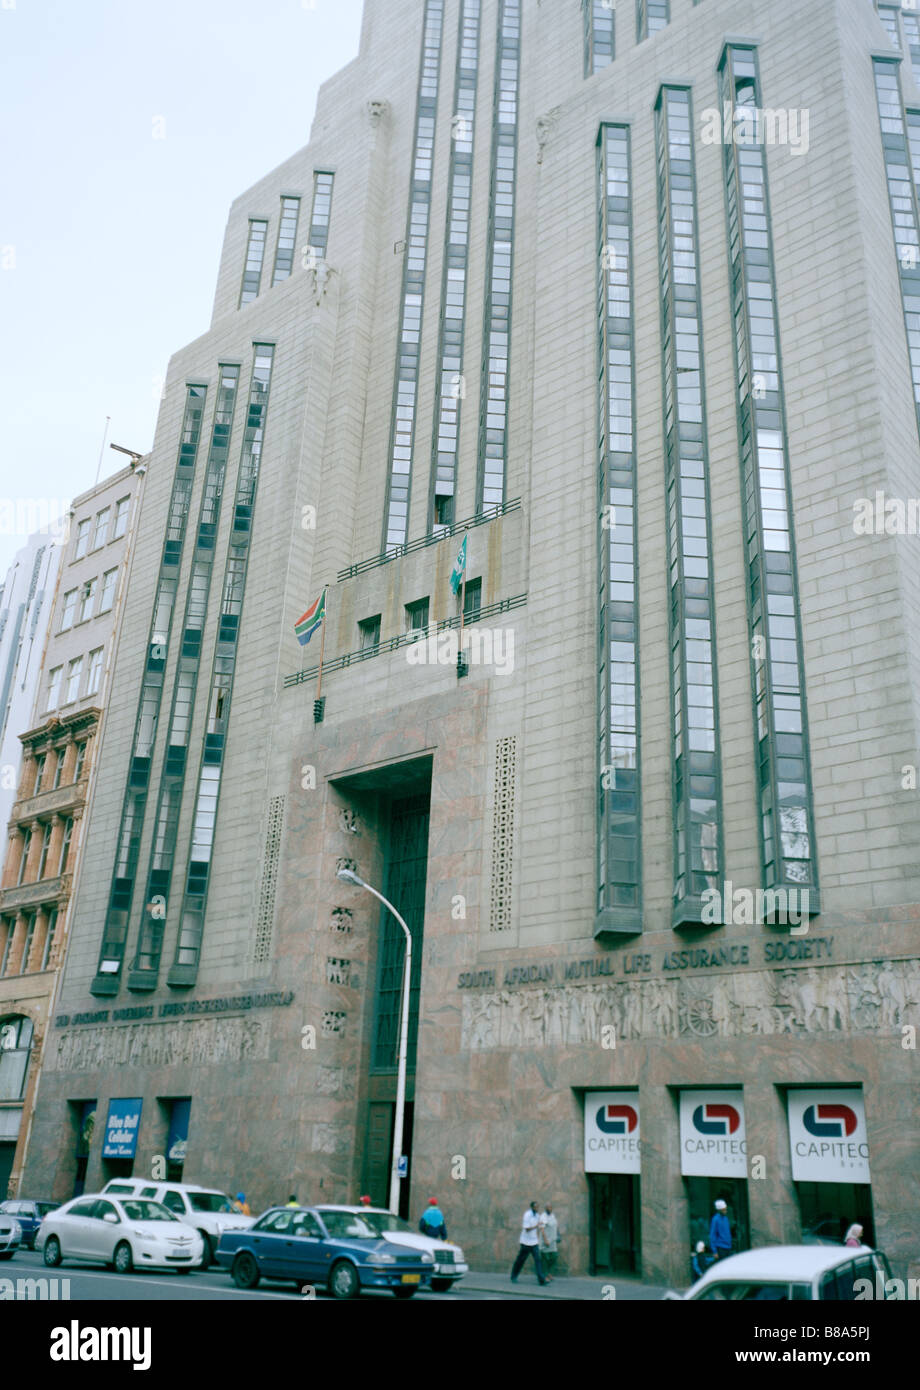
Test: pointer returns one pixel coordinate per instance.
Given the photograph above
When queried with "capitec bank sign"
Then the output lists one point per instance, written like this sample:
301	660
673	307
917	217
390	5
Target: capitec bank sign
612	1132
827	1136
713	1143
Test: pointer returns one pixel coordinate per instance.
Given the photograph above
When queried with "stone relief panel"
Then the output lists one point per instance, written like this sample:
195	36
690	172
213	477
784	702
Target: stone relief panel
880	996
203	1042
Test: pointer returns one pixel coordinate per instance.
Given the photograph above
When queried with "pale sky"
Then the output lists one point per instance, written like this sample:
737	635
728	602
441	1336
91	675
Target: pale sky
110	237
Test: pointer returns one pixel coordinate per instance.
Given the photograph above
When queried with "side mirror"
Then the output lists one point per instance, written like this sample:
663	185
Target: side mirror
111	1218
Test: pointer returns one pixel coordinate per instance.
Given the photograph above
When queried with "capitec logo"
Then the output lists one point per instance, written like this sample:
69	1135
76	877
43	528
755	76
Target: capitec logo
716	1119
616	1119
830	1121
716	1122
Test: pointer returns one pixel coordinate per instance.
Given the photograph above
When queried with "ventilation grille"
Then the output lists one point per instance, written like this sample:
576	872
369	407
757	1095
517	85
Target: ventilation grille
266	918
503	834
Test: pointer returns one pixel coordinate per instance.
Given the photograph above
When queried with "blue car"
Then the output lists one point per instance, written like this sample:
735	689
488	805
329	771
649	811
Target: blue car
335	1249
30	1215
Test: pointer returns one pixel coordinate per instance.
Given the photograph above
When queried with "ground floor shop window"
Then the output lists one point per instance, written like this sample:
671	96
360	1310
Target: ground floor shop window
702	1195
615	1226
827	1210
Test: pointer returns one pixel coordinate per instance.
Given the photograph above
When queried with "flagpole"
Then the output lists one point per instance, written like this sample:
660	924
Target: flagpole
322	648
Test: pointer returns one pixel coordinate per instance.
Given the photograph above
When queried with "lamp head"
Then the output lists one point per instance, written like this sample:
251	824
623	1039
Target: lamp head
349	876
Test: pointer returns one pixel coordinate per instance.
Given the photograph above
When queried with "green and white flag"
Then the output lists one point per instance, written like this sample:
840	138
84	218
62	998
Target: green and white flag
459	570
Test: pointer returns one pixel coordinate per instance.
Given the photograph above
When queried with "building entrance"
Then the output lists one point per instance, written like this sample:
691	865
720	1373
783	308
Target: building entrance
828	1209
615	1223
702	1195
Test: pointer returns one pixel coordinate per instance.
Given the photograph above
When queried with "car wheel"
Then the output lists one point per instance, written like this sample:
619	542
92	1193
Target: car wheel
207	1255
52	1252
343	1280
7	1254
123	1261
404	1293
246	1273
441	1285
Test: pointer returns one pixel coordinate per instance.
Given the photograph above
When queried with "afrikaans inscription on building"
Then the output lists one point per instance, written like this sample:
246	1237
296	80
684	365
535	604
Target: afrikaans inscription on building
198	1042
878	997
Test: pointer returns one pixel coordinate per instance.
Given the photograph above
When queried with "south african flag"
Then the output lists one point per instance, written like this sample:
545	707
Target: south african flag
311	620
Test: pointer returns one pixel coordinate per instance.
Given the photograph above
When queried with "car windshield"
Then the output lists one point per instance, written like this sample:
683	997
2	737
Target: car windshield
385	1223
351	1225
209	1201
137	1209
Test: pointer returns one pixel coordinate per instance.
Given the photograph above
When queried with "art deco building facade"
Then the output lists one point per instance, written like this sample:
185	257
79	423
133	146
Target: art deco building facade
44	833
621	295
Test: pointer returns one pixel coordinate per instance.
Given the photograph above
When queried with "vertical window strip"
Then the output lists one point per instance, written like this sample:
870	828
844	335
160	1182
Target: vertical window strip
888	14
619	802
600	34
452	388
781	727
146	963
321	212
493	409
287	239
151	694
405	404
651	15
194	903
696	775
911	24
902	196
255	252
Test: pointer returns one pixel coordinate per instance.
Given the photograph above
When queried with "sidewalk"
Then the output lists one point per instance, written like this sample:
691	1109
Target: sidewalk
581	1288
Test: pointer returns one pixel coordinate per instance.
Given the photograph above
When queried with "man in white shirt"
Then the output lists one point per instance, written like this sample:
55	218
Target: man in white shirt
531	1235
549	1236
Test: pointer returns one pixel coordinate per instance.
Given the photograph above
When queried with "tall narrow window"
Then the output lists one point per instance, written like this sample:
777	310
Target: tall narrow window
255	253
911	22
74	671
888	14
780	721
24	855
101	528
600	34
65	845
122	507
82	539
49	939
452	386
70	608
287	238
107	597
151	693
87	595
619	802
144	967
54	687
95	671
39	773
651	15
46	845
405	404
81	758
27	944
493	407
902	198
194	903
696	777
321	212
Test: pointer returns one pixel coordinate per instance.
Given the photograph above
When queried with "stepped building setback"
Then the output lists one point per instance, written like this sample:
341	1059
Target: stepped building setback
628	297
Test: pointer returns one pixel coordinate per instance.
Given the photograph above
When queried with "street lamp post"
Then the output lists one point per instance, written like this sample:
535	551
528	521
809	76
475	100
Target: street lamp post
348	876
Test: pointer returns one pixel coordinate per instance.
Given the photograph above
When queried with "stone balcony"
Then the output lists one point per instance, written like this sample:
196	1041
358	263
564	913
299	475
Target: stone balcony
26	895
58	800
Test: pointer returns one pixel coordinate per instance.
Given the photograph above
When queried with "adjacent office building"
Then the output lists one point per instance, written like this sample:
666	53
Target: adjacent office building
627	298
58	738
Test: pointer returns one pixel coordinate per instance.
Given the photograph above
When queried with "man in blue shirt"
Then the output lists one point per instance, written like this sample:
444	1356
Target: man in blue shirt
720	1232
432	1222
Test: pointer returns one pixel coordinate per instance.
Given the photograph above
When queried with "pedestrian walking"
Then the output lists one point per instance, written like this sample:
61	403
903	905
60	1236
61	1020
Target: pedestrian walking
241	1205
432	1222
549	1238
699	1260
854	1235
292	1200
720	1232
529	1244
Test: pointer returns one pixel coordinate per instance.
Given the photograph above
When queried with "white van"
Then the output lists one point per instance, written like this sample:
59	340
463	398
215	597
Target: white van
209	1211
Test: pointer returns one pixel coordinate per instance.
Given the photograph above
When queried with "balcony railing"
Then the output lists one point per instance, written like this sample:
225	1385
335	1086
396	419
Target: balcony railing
392	644
440	533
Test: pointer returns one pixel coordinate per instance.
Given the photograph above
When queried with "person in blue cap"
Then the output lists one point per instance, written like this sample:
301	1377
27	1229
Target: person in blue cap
432	1222
241	1205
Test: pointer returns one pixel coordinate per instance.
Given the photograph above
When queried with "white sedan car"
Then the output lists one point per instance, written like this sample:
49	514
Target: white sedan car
794	1273
449	1264
129	1233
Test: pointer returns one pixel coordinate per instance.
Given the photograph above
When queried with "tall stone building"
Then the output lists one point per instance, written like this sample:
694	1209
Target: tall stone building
619	295
59	738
